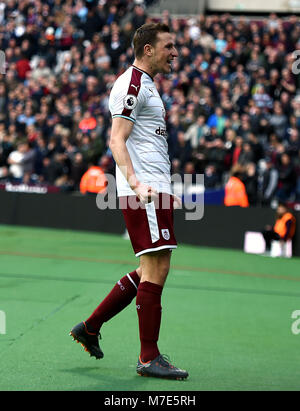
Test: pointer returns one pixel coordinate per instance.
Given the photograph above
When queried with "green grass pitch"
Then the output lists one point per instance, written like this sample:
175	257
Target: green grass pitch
226	316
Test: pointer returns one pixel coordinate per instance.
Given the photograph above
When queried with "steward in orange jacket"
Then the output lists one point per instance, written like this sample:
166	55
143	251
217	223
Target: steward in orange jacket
283	229
93	181
285	225
235	191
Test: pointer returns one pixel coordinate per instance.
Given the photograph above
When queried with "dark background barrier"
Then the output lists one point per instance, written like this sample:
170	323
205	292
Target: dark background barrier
225	227
220	226
58	211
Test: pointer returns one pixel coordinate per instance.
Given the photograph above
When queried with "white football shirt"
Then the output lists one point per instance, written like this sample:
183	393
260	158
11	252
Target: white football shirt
134	96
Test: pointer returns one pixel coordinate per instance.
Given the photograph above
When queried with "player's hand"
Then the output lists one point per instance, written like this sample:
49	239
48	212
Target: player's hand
145	193
177	202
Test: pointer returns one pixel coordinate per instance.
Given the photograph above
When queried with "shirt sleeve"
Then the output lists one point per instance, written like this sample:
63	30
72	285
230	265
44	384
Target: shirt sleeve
126	102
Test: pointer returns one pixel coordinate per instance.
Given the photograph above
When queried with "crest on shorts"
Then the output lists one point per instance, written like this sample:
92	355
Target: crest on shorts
130	101
165	233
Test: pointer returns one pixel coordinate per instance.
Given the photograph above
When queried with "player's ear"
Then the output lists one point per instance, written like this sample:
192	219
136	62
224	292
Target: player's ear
148	49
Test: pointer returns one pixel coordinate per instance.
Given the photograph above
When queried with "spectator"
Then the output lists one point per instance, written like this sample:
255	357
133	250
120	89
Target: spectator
279	121
251	183
262	99
256	147
287	178
211	177
88	123
55	170
23	67
3	100
274	148
220	43
206	40
139	17
246	155
21	161
115	49
237	150
293	143
77	169
217	120
287	82
196	131
42	70
267	181
174	127
182	152
216	153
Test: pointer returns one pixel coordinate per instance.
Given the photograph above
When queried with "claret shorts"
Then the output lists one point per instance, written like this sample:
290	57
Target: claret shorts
150	226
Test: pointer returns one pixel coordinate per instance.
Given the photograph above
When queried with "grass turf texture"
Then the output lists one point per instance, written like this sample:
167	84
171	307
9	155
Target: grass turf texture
226	316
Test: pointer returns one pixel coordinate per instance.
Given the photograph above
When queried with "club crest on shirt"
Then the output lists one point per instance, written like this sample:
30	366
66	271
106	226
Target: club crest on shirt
130	101
165	233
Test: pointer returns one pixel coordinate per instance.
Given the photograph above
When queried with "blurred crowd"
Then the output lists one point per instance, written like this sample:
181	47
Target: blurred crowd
233	97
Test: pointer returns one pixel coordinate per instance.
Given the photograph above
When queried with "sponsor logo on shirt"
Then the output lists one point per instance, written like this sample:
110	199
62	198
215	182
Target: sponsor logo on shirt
161	132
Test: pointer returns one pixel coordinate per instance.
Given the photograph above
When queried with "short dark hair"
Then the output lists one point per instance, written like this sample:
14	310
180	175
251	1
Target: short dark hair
282	204
147	34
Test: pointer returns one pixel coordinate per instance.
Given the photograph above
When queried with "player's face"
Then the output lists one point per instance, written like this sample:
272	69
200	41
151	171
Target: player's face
164	52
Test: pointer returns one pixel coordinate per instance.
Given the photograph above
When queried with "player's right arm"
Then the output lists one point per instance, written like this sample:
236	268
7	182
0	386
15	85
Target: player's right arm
120	132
